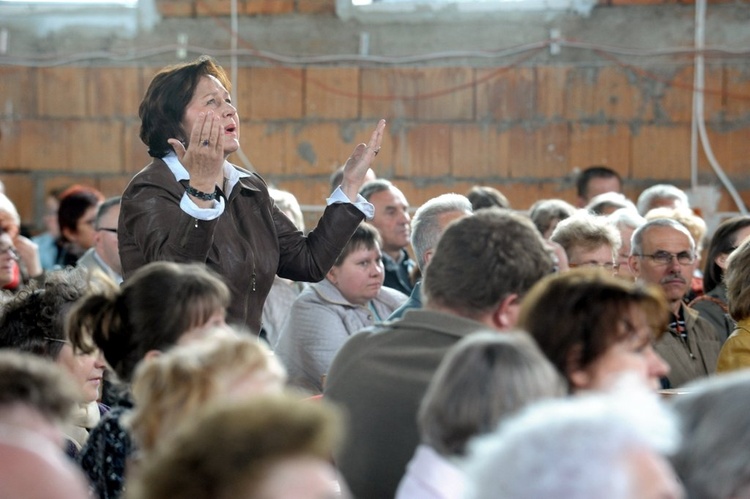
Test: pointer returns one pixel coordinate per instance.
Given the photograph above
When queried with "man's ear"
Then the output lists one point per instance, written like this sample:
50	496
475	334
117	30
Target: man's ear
635	265
506	313
428	256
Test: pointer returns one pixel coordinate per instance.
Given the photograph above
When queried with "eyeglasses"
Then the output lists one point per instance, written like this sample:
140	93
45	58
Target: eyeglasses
665	257
108	229
12	250
609	266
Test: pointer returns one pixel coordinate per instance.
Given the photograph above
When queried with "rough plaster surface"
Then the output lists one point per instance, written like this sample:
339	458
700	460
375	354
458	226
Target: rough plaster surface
640	27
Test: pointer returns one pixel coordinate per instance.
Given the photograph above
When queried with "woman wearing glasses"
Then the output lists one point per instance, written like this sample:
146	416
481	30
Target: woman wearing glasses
33	321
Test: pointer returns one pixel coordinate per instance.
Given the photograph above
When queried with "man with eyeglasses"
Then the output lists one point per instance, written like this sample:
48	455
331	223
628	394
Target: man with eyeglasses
589	241
104	256
663	253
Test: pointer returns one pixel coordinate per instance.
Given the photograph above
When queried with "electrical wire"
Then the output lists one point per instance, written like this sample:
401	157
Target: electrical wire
699	111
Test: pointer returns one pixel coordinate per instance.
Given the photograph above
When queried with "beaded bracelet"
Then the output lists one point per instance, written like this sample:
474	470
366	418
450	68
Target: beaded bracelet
205	196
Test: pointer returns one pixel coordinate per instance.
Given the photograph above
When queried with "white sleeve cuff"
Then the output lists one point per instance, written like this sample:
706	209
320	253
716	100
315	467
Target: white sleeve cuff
188	206
362	205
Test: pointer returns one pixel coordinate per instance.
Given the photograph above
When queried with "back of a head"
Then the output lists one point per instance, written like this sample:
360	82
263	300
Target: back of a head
661	195
712	460
626	218
426	227
573	448
38	384
482	259
287	203
172	387
228	450
158	304
607	202
548	212
484	196
483	379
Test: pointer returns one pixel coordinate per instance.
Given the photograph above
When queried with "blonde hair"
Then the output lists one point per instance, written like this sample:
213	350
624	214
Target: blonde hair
172	386
227	450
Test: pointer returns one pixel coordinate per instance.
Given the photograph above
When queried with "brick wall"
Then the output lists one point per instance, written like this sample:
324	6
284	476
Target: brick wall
523	129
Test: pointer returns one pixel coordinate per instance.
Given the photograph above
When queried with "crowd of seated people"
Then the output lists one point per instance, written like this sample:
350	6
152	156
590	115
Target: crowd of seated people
464	349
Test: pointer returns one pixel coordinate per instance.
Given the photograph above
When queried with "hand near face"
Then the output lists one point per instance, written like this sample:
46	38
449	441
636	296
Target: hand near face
28	252
204	156
360	161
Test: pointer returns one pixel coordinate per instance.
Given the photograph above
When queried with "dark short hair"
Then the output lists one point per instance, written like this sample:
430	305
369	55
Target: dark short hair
33	321
575	317
483	196
375	186
163	107
365	236
482	259
592	172
74	202
722	242
105	208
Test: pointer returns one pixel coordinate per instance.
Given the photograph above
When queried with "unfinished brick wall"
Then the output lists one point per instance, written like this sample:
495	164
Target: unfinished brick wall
524	129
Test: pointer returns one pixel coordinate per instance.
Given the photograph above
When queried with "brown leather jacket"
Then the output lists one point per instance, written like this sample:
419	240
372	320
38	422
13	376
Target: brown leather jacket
248	244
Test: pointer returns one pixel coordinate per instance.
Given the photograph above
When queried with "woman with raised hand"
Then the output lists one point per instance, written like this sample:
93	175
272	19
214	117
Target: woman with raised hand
191	205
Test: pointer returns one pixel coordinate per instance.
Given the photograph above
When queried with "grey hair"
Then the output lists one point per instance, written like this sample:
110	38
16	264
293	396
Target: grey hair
712	459
547	211
605	200
660	191
105	207
7	206
375	186
586	230
287	203
483	379
626	218
636	247
571	448
425	225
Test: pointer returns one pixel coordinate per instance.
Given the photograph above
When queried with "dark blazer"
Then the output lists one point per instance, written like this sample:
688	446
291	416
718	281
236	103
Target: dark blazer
247	244
379	378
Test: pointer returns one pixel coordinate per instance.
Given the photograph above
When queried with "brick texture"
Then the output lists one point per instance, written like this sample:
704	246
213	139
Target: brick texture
332	93
525	131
